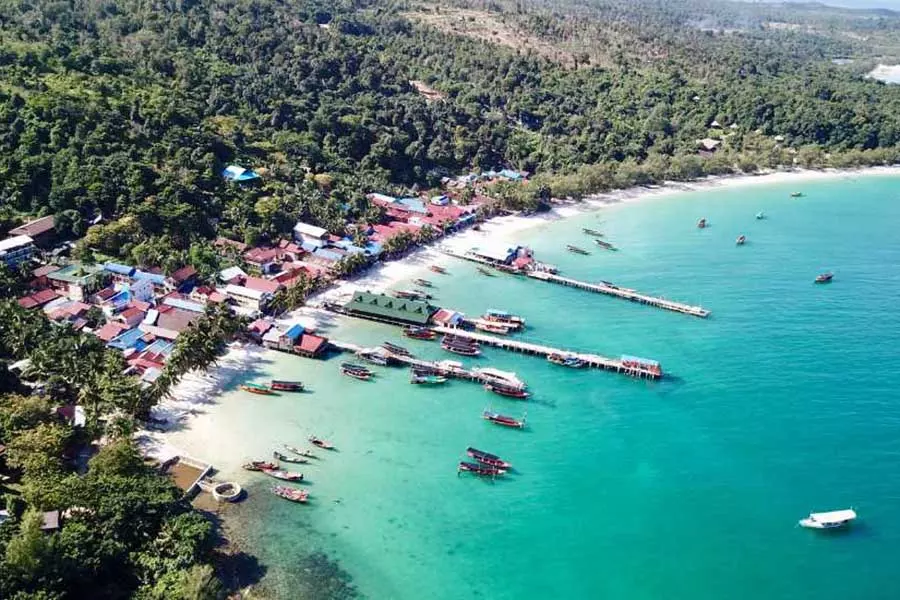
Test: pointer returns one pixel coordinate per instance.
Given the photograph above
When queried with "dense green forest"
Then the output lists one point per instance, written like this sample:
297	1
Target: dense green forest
131	109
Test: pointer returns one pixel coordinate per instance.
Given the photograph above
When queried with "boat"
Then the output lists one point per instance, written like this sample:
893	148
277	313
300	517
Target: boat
701	224
504	420
460	340
824	278
460	349
504	378
829	520
356	371
286	386
504	390
373	356
449	365
501	316
477	469
289	459
293	495
283	475
298	451
486	458
257	388
605	245
577	250
395	349
437	269
324	444
796	194
422	282
259	465
741	240
427	379
760	216
572	362
411	295
484	271
419	333
490	327
592	232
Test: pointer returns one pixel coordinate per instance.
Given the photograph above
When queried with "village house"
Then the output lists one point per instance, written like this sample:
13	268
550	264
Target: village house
16	250
77	281
265	260
39	276
38	299
259	284
226	245
232	275
42	231
181	278
310	234
247	300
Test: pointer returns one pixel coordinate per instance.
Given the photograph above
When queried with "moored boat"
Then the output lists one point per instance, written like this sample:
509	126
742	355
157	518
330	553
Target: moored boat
501	316
294	495
460	340
605	245
478	469
259	465
504	420
422	282
286	386
437	269
508	391
257	388
493	327
486	458
573	362
824	278
796	194
373	356
356	371
430	379
577	250
289	459
283	475
505	378
485	271
395	349
760	216
701	224
324	444
592	232
741	240
829	520
419	333
462	350
411	295
298	451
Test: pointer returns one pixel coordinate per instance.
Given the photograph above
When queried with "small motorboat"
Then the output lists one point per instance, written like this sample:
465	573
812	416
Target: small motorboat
508	391
760	216
257	388
493	327
824	278
356	371
422	282
437	269
419	333
286	386
411	295
504	420
299	452
427	379
289	459
300	496
283	475
605	245
573	362
259	465
484	271
577	250
741	240
486	458
501	316
395	349
701	224
478	469
592	232
796	194
324	444
373	356
829	520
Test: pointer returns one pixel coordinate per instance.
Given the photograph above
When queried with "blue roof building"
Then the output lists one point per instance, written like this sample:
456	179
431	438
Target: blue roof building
294	332
129	339
328	254
154	278
119	269
239	174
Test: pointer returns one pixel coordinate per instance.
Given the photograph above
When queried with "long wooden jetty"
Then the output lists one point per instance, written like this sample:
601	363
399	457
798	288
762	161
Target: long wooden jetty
592	360
619	292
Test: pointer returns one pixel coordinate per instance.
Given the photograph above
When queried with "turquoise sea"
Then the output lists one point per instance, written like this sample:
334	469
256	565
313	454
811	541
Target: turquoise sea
783	402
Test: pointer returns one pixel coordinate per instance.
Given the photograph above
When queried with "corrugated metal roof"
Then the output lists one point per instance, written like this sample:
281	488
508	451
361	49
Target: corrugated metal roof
119	269
153	277
184	304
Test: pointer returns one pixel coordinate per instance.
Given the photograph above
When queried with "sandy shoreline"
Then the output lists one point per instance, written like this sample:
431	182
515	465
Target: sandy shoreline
197	391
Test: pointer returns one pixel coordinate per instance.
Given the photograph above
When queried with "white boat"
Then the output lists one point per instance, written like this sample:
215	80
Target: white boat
828	520
502	377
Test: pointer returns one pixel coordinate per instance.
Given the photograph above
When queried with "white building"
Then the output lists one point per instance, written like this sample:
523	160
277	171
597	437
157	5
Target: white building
16	249
248	299
304	232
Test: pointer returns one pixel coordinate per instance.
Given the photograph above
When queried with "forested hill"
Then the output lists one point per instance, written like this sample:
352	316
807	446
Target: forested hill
131	108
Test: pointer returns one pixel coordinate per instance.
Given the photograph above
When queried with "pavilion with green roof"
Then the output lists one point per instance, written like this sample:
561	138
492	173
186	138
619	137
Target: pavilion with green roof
381	307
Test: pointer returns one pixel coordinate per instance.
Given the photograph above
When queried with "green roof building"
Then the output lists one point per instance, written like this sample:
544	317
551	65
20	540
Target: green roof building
77	281
381	307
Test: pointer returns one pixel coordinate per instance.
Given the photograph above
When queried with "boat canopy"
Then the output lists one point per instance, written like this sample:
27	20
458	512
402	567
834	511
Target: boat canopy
834	516
497	313
638	359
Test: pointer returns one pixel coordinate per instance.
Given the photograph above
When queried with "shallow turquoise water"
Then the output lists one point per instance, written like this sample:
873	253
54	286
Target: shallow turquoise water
781	403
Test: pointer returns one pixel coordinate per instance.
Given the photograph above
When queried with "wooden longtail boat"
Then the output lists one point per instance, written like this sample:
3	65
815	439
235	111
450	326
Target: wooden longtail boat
503	419
299	496
427	379
395	349
299	452
605	245
356	372
592	232
257	388
508	391
259	465
376	358
283	475
438	269
324	444
422	282
486	458
289	459
286	386
419	333
411	295
577	250
461	350
477	469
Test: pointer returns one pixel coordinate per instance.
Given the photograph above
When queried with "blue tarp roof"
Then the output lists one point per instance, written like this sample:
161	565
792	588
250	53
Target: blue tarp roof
128	339
236	173
184	304
119	269
155	278
163	347
122	297
310	246
295	331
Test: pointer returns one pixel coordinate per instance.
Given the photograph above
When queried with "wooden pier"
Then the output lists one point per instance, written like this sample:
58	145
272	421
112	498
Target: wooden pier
619	292
592	360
